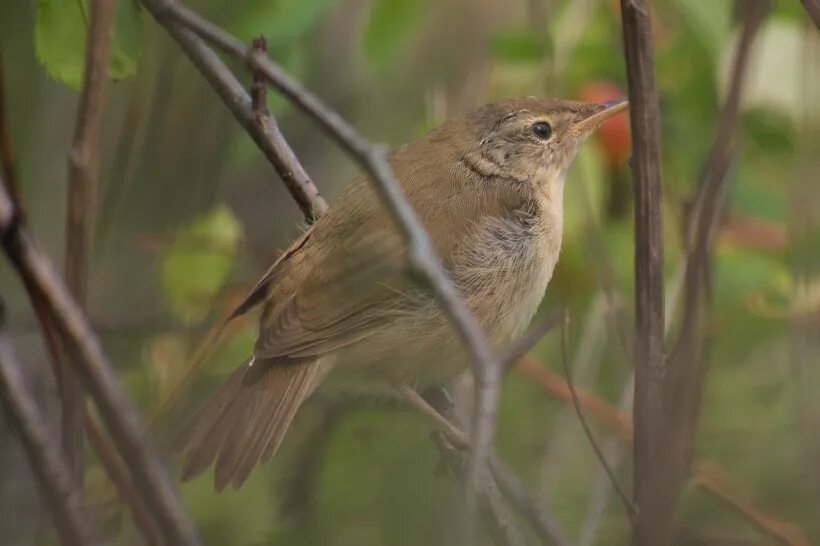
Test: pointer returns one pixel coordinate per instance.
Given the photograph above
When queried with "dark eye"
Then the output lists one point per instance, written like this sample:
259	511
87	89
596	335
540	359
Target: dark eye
542	130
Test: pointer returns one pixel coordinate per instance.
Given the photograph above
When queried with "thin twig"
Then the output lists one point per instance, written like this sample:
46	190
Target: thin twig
527	504
688	361
438	407
95	371
530	339
83	192
655	493
607	414
259	88
60	494
631	511
101	447
503	526
422	259
265	133
119	477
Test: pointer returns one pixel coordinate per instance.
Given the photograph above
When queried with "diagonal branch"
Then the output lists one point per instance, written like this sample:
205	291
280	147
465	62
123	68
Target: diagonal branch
423	262
103	449
264	132
437	406
60	494
96	373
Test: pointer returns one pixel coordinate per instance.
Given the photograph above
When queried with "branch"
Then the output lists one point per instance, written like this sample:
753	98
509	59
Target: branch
450	441
264	131
438	407
688	361
655	494
83	192
119	477
60	494
422	259
107	457
96	373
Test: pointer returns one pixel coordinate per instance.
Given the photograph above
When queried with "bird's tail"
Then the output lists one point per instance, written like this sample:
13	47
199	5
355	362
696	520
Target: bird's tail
245	421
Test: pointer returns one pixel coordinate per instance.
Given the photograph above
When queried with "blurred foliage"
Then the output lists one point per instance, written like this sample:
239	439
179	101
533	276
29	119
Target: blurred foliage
60	31
196	215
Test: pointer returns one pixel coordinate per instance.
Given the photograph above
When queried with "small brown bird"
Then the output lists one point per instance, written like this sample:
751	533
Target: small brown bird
338	307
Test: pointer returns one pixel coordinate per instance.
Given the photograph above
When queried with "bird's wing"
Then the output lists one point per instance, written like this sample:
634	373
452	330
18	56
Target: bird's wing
338	288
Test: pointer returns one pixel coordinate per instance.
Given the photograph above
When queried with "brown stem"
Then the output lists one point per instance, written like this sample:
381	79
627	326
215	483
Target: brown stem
96	373
654	491
83	191
52	343
60	494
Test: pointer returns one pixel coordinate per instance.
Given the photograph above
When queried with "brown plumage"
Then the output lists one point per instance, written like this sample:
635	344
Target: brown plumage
338	307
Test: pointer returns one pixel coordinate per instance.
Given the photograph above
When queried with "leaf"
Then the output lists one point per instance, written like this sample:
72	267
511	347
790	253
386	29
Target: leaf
198	263
388	26
60	34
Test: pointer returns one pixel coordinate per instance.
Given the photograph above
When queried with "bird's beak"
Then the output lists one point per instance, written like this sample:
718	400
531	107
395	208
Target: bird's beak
603	112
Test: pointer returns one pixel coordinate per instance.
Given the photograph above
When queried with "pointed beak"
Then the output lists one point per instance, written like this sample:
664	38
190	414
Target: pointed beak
603	112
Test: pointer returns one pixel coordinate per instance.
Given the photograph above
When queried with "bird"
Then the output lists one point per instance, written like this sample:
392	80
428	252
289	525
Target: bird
339	308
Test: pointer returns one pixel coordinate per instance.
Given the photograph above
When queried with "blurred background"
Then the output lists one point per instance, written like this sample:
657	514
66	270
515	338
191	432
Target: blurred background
192	214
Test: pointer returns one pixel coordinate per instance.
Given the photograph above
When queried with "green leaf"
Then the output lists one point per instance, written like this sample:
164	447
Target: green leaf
60	34
388	27
198	263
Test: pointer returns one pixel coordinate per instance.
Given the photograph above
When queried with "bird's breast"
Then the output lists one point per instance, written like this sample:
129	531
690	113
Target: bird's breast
504	266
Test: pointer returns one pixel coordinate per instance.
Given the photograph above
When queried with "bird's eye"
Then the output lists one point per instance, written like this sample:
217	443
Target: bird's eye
542	130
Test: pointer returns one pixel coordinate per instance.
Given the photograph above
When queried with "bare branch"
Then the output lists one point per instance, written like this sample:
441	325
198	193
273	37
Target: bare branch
264	132
438	407
654	491
98	443
503	527
83	192
422	258
119	477
528	505
688	361
58	490
259	88
630	508
530	339
95	371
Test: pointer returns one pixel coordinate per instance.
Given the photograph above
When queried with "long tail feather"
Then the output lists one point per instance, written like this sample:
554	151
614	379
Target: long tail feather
246	420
